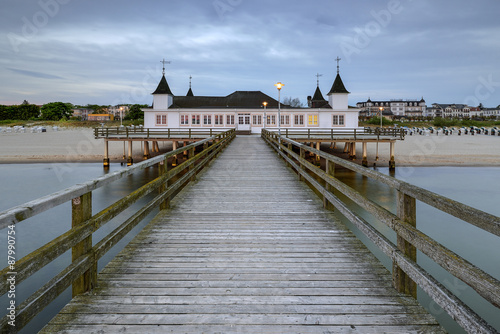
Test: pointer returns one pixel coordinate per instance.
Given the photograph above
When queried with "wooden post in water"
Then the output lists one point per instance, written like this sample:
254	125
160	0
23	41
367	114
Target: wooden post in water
352	153
330	170
130	160
147	155
318	158
174	147
392	162
81	211
346	147
407	212
364	162
106	154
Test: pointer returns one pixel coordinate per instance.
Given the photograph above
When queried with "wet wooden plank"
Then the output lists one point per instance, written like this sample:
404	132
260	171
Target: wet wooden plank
246	248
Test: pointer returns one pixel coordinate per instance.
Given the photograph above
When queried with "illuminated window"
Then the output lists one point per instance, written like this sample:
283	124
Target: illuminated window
313	119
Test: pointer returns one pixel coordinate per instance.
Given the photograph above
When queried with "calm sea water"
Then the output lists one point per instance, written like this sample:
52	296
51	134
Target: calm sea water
477	187
24	182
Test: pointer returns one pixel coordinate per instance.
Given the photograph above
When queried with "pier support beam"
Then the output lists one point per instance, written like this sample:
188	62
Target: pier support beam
352	151
106	154
174	147
392	161
318	158
346	147
130	160
364	162
147	155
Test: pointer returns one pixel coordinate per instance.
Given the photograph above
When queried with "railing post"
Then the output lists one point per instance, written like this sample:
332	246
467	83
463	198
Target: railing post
162	170
191	155
81	211
406	211
302	167
330	170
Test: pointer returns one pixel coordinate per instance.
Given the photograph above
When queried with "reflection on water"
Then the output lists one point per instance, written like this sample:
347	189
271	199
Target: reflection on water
25	182
476	187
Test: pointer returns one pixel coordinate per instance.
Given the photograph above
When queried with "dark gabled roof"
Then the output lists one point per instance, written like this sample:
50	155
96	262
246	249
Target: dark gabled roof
238	99
318	96
190	92
163	87
338	86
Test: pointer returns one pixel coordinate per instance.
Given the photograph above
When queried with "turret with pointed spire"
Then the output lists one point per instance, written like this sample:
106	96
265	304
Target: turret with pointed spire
162	96
338	95
190	91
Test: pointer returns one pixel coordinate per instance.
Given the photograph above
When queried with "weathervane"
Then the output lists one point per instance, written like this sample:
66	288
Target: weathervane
318	76
338	66
164	62
190	77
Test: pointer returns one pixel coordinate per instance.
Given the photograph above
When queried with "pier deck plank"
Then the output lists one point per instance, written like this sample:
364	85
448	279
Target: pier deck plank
246	249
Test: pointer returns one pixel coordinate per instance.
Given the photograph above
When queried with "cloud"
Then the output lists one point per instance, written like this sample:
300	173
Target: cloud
35	74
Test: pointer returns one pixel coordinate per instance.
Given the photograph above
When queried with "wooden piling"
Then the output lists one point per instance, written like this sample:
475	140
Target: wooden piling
106	154
318	158
364	162
392	161
147	155
130	160
174	147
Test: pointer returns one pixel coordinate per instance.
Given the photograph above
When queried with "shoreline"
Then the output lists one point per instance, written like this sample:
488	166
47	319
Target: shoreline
79	146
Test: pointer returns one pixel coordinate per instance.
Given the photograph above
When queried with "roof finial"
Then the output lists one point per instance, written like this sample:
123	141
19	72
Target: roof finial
338	66
164	62
190	77
318	76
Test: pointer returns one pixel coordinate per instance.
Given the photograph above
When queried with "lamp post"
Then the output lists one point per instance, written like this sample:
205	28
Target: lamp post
265	118
121	117
279	85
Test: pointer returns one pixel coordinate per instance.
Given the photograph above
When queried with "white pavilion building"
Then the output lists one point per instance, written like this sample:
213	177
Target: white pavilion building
245	111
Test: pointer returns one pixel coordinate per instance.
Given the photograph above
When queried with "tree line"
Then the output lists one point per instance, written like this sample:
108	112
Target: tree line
56	111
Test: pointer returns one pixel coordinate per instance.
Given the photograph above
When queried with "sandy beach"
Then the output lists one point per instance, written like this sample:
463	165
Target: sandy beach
79	145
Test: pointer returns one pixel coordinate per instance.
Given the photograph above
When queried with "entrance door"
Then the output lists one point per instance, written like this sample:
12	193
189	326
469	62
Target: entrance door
244	122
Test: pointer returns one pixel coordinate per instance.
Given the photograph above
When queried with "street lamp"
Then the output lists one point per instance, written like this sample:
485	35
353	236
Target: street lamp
279	85
121	117
265	118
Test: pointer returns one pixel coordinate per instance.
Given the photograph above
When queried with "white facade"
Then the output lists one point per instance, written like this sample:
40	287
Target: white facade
250	119
166	112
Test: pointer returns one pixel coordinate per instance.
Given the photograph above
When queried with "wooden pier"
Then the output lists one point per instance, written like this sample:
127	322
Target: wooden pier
247	248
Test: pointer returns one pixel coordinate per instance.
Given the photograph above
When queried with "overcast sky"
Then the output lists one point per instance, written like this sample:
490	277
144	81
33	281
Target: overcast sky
109	51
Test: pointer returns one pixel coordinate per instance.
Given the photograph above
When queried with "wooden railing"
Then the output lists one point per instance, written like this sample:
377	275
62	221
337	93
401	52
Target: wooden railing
81	274
341	133
407	274
146	133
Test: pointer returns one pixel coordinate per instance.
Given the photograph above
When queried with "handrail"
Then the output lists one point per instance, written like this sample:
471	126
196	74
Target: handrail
147	133
406	272
341	133
82	272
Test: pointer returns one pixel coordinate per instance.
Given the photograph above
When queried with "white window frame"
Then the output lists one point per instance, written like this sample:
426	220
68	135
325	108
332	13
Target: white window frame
338	120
